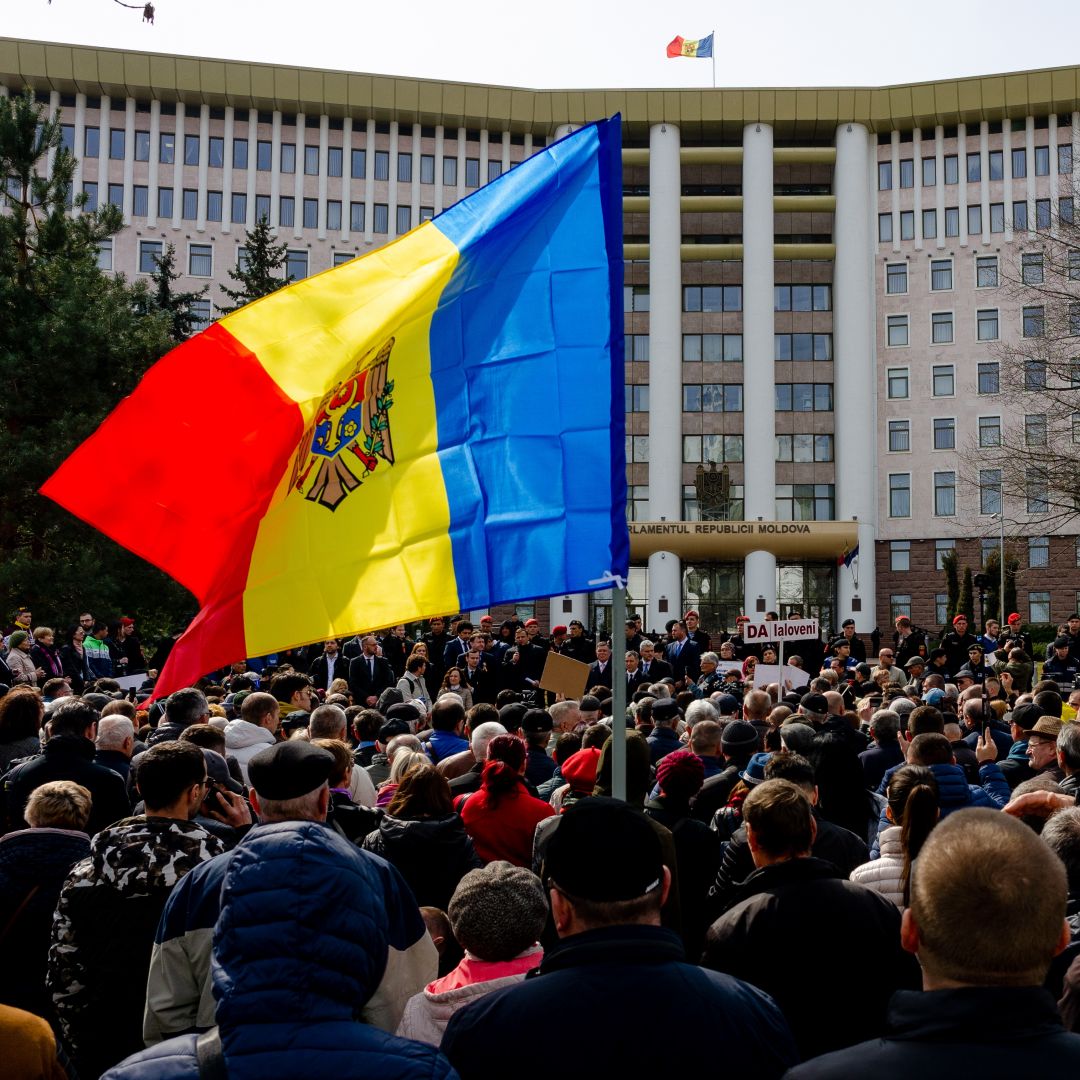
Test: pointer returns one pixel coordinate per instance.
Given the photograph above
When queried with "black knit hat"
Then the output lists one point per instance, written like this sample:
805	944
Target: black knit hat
603	850
498	911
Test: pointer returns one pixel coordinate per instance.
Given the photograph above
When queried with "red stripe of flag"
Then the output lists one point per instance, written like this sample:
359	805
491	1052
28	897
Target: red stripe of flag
675	46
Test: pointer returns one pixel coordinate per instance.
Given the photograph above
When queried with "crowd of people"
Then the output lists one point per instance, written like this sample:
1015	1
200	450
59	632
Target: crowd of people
388	857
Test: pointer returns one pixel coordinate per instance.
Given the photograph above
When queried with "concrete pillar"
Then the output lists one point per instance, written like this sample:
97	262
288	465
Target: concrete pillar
324	148
759	368
253	150
1006	163
225	225
80	137
346	177
440	142
984	187
961	175
854	380
178	167
154	163
298	178
275	169
204	166
939	171
665	361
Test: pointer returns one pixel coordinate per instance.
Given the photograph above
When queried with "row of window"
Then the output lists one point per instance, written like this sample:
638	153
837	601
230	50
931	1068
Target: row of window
201	259
942	327
794	502
1066	214
1038	606
1038	553
1036	494
719	348
973	163
725	449
709	298
238	207
264	153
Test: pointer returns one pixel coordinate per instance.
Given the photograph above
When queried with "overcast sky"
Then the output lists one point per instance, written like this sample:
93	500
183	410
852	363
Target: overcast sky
587	43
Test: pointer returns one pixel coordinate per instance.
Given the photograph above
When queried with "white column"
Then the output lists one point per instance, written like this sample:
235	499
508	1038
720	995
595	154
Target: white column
939	176
665	356
226	171
1006	172
961	175
916	174
104	122
854	380
392	201
154	164
440	143
298	178
54	108
506	151
204	166
80	137
129	158
252	160
178	166
759	380
461	136
984	187
324	145
895	147
527	149
275	170
483	156
369	182
346	177
1029	142
414	200
1052	178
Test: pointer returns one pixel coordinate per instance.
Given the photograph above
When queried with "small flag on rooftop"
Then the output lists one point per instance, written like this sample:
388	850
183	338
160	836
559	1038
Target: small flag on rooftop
700	49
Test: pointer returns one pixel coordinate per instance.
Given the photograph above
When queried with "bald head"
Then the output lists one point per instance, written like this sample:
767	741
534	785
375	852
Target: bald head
836	702
261	710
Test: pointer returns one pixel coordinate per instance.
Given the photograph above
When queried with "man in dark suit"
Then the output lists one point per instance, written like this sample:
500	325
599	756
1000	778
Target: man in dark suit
653	669
694	632
396	649
436	641
600	668
634	677
328	666
531	657
458	646
369	674
683	655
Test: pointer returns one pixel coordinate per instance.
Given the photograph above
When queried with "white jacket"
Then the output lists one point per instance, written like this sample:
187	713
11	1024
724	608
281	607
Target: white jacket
243	741
883	874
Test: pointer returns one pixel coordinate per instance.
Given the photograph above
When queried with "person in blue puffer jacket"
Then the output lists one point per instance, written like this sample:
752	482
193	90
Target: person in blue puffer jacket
954	792
299	947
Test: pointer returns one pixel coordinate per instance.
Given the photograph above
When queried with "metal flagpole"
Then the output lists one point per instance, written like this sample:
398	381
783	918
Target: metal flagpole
618	694
714	59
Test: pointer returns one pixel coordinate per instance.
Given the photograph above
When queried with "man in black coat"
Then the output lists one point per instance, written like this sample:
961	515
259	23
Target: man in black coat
436	640
825	949
956	643
69	755
833	844
607	882
369	674
653	669
982	1011
600	669
328	666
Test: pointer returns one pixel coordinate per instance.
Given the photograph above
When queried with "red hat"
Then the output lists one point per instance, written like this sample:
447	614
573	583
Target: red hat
579	770
531	622
691	612
486	618
125	621
1014	617
560	629
958	617
742	618
680	774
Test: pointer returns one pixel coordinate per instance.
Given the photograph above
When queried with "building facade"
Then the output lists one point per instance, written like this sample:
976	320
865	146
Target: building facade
812	288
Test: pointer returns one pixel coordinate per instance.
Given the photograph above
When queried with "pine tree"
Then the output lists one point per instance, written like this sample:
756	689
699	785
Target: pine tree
258	277
952	584
74	341
179	306
964	603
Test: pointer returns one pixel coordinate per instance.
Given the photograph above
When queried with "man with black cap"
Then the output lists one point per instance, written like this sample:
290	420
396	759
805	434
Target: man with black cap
856	648
288	783
607	882
1063	666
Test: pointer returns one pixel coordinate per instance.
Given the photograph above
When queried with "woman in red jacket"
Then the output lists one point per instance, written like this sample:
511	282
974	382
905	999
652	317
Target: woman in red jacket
502	816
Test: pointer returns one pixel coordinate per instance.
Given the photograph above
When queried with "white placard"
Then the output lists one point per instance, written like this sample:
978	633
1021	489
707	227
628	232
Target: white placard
126	682
780	630
770	673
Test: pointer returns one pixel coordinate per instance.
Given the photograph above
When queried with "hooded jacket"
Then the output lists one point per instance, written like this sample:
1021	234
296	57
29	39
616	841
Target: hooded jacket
179	991
431	854
301	945
243	741
883	874
103	932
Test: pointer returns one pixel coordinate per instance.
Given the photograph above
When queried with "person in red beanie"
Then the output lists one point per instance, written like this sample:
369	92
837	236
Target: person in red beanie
502	816
698	850
579	771
1013	636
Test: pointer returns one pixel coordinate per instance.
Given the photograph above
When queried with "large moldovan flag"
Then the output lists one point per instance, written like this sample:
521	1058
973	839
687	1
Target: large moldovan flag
437	426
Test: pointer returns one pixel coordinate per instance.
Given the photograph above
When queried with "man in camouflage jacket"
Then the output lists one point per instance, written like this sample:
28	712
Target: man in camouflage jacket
103	929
